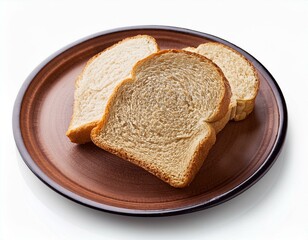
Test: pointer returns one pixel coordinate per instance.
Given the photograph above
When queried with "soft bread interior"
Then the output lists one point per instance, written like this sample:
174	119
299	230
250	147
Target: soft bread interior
159	118
98	80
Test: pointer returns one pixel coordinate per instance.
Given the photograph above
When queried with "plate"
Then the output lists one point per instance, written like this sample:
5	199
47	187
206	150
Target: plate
243	153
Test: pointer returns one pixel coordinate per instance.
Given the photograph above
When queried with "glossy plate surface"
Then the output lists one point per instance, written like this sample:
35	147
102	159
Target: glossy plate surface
243	153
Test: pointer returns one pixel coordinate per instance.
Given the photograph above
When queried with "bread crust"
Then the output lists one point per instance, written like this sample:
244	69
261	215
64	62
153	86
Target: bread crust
200	152
82	133
244	106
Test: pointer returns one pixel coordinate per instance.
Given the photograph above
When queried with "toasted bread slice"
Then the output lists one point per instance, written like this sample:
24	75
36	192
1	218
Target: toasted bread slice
101	75
240	73
160	118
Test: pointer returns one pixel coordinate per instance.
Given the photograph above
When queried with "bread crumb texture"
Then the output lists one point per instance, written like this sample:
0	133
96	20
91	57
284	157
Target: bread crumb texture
240	73
99	78
158	119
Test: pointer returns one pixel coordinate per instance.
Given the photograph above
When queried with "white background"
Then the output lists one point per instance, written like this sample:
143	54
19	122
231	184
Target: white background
275	32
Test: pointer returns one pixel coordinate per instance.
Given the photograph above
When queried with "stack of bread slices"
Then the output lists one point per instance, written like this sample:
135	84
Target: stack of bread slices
161	110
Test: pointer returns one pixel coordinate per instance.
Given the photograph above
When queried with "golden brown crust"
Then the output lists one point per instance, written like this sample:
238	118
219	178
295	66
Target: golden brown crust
200	152
244	106
221	123
82	133
243	109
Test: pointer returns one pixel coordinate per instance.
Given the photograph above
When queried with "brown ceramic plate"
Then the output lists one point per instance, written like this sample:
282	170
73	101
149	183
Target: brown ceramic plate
88	175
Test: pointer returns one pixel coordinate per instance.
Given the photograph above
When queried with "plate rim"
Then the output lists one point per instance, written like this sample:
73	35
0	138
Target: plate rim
266	165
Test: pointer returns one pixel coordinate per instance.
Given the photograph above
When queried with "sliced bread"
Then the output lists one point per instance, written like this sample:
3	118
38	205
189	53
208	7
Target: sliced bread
100	76
240	73
159	119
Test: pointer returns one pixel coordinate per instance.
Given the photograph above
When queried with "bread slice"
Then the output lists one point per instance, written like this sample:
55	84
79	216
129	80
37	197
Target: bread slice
101	75
160	118
240	73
